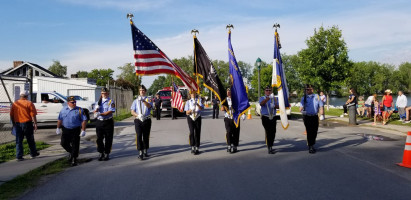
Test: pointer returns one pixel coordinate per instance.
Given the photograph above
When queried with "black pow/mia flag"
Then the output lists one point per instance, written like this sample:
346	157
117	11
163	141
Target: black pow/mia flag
205	69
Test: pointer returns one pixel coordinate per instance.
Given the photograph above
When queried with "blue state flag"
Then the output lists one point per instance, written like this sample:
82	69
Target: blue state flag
279	81
239	98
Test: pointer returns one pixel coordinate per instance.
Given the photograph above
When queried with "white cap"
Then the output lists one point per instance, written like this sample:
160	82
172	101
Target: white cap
24	93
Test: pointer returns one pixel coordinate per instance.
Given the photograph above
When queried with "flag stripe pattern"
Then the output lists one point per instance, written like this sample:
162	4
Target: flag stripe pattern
177	99
150	60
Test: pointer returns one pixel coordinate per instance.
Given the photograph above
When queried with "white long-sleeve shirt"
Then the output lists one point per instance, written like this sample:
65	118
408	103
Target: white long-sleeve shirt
401	101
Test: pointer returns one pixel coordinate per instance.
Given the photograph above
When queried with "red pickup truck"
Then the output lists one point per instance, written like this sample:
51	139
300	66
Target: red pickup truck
165	96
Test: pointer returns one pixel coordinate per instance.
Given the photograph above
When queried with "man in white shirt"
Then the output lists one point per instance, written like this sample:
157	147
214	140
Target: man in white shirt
401	104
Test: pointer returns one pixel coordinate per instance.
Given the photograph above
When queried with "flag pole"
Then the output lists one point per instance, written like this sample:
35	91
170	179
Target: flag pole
172	92
130	16
229	27
195	32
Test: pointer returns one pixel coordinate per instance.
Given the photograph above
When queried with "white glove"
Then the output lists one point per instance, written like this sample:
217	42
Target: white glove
96	114
321	117
243	117
58	132
272	95
83	133
97	107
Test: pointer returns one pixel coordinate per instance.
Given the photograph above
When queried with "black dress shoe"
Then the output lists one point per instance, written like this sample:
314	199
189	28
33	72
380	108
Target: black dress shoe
271	150
229	150
101	157
74	163
311	150
196	152
141	157
234	150
107	157
69	158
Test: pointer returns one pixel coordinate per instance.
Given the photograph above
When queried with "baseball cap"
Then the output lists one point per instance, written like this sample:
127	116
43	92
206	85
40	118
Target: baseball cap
24	93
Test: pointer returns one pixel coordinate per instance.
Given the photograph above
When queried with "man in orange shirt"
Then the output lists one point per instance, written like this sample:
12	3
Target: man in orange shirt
23	116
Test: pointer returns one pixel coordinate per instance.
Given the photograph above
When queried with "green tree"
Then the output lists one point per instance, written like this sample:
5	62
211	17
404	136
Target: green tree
325	61
58	69
405	73
124	84
82	74
265	79
290	65
159	83
102	76
128	74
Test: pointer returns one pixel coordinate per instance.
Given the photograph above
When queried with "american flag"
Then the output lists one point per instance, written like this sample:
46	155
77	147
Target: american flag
177	99
151	60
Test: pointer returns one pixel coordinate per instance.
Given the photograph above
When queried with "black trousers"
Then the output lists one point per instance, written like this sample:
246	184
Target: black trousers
105	131
195	131
143	133
270	130
215	111
158	112
233	133
311	126
70	140
345	108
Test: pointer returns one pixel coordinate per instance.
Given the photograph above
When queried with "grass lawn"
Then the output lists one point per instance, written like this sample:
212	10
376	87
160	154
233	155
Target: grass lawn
8	150
22	183
123	114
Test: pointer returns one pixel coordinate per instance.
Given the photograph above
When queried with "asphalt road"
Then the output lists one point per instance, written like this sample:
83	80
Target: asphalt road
348	165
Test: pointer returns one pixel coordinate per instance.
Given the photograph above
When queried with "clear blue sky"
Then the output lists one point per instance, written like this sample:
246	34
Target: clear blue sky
88	34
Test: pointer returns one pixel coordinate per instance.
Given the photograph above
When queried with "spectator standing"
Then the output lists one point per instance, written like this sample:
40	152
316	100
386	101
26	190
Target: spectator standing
388	106
157	103
368	105
401	104
377	110
352	105
407	115
323	98
216	107
23	117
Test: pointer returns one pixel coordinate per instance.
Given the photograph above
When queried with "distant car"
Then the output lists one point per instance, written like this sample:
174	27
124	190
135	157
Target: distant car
78	98
258	110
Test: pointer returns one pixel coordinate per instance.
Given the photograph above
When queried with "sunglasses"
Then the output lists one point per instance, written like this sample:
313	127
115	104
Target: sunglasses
268	90
72	102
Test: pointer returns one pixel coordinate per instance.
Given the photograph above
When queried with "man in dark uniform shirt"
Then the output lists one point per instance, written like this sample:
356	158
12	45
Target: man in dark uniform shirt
216	103
157	103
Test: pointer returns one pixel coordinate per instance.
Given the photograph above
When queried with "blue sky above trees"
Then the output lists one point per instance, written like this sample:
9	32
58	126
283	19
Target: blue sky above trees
96	33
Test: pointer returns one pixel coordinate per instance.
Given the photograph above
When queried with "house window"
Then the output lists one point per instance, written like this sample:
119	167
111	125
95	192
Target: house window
43	74
24	71
37	73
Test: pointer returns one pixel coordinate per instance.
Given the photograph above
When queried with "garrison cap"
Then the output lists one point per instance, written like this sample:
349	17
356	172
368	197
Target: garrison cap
104	90
71	98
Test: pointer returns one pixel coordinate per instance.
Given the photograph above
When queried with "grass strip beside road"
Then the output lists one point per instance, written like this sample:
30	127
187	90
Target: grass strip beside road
20	184
8	150
122	117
